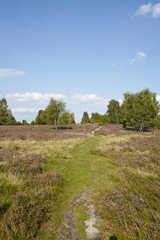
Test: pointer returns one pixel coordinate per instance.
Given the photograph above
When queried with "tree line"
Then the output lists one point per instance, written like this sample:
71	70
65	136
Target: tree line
139	110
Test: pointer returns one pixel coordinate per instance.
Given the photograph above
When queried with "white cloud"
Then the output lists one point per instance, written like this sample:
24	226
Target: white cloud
120	101
144	9
89	99
35	96
149	8
139	57
24	110
6	72
158	98
156	10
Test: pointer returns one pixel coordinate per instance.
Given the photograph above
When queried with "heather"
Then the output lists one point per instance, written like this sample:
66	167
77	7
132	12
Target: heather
50	185
129	203
45	132
27	186
25	189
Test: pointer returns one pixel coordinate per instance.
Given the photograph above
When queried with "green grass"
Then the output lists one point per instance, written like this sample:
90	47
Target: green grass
80	218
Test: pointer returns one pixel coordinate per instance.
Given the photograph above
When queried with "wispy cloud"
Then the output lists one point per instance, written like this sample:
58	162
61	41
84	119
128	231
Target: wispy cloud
7	72
144	9
149	8
25	110
34	97
156	10
89	99
140	57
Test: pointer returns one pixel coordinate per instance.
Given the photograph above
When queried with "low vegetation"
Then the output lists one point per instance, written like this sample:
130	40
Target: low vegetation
25	189
129	203
41	177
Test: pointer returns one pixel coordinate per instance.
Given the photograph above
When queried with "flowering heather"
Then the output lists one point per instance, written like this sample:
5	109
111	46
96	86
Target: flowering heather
130	206
23	220
26	189
45	132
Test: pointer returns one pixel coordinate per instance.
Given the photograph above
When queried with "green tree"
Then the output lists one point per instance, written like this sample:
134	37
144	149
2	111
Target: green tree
95	117
113	111
66	118
24	122
32	123
98	118
156	122
72	118
85	118
41	118
140	109
6	117
103	119
54	111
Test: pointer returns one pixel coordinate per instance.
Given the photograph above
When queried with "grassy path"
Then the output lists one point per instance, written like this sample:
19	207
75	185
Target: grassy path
83	172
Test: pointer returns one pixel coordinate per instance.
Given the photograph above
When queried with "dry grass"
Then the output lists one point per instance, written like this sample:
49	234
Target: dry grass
52	148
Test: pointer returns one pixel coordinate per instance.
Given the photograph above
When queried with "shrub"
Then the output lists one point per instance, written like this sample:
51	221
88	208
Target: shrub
124	123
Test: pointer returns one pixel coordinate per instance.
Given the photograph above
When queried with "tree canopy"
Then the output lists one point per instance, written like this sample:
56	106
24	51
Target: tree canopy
98	118
55	113
140	109
85	118
6	117
113	111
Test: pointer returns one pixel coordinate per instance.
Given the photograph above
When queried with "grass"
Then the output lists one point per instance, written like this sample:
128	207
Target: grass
39	180
80	218
54	149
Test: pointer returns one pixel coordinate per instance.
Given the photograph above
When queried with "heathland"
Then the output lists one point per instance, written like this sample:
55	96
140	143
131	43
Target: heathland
73	182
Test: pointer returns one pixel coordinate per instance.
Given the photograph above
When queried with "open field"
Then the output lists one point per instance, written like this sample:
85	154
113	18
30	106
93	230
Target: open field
72	184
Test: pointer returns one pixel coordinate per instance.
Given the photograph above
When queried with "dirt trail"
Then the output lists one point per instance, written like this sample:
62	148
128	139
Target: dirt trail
97	129
68	229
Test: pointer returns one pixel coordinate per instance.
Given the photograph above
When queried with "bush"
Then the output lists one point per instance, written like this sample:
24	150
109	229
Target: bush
124	123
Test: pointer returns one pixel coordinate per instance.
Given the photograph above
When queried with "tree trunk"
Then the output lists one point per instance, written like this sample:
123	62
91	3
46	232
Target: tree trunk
55	124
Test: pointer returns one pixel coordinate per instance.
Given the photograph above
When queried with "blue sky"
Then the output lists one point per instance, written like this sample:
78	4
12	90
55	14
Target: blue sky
84	52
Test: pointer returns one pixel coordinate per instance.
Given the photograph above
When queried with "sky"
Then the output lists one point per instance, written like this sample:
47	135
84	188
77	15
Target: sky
82	52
